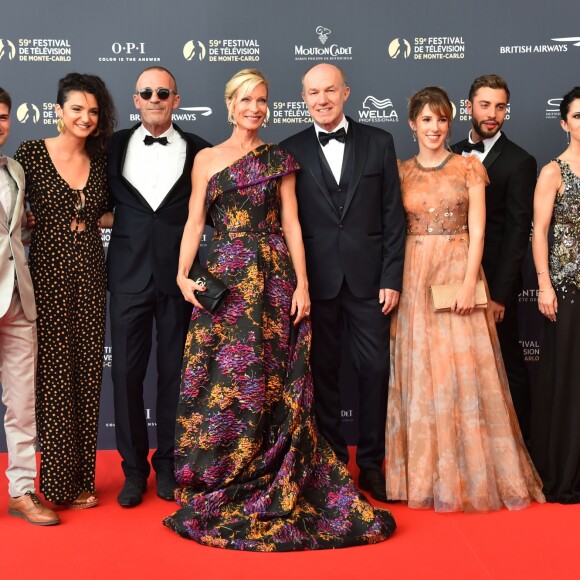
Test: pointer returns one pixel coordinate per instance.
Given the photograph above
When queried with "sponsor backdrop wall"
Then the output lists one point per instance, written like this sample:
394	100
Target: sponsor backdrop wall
387	49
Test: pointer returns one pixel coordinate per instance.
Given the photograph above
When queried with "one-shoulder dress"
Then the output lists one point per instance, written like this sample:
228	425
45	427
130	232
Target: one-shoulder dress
254	473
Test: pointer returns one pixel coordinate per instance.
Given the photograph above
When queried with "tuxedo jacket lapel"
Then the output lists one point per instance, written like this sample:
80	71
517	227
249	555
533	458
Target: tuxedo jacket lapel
311	148
3	217
494	152
186	169
16	199
121	154
359	146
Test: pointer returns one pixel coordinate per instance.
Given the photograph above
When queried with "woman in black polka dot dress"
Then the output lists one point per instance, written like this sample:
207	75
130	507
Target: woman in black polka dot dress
67	190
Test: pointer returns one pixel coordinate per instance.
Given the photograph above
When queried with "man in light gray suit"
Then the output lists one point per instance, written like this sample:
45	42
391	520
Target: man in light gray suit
18	343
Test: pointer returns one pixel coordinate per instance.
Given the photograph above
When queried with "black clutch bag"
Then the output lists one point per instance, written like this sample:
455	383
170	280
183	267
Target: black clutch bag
215	291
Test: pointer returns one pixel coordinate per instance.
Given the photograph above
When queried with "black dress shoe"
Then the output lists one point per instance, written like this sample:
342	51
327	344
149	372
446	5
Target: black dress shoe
166	485
133	490
373	480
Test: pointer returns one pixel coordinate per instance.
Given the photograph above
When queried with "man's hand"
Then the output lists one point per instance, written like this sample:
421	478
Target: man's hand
498	311
389	299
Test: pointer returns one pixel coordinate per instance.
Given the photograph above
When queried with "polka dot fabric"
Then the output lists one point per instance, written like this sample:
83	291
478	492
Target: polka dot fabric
69	276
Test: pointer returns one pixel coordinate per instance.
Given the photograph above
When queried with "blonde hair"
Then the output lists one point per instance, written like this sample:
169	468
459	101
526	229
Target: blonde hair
242	83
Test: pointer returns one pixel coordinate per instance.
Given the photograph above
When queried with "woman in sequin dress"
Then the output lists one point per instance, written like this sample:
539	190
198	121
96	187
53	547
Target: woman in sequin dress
555	425
67	190
453	440
254	474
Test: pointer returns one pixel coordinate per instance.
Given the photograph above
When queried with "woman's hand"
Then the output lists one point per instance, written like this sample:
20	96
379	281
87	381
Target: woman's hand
464	301
548	303
300	305
188	287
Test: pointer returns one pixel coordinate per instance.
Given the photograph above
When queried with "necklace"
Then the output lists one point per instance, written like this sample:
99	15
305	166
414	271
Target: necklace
436	167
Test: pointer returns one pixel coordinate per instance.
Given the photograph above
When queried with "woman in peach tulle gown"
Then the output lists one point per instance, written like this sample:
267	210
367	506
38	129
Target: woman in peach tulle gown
453	440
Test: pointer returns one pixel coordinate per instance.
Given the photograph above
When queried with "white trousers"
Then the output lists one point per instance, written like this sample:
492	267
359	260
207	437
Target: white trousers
18	352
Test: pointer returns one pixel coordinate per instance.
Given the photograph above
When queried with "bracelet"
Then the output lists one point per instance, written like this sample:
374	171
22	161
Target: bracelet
542	272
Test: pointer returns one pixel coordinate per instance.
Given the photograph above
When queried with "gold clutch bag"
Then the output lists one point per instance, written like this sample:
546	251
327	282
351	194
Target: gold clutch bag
443	295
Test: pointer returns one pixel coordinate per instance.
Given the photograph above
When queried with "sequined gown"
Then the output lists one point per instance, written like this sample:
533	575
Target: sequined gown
254	473
453	440
555	419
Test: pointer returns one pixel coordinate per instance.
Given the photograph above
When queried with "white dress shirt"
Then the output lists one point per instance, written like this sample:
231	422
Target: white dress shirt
487	143
153	169
334	150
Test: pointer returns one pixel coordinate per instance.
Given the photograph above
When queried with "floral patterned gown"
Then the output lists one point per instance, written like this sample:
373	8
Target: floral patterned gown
254	473
453	440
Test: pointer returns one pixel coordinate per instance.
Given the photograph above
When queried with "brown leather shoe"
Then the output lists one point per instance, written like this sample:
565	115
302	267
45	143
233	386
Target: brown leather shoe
29	507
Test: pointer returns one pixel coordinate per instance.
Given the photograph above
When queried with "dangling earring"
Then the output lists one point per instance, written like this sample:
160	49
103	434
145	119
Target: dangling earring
60	125
568	137
415	136
231	120
266	122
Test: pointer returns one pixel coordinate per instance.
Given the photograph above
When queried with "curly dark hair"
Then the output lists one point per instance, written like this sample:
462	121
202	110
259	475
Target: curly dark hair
93	85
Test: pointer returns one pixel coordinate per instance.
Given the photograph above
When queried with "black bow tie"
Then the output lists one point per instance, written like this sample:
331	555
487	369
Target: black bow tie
339	135
469	147
3	161
149	140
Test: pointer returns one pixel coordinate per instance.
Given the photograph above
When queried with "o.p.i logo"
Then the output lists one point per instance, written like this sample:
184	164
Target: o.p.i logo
191	49
28	112
7	48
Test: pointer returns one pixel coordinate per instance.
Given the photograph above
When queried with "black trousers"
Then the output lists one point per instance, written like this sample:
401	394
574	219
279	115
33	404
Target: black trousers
515	365
132	318
368	332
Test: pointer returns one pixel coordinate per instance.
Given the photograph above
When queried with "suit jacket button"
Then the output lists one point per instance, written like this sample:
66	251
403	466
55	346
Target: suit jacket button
341	227
11	258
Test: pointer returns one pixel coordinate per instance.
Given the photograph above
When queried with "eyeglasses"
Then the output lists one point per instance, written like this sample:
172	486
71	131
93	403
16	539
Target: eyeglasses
147	93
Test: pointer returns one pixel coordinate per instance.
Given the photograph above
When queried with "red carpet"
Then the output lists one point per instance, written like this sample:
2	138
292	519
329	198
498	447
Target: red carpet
111	542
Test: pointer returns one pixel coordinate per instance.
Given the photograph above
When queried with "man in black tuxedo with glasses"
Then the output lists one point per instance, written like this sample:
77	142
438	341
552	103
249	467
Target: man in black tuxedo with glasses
149	171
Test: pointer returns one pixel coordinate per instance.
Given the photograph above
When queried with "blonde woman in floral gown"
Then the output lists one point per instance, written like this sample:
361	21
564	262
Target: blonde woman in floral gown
254	474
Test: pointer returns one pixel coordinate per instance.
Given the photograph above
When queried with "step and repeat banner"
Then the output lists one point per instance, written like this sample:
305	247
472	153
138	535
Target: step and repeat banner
387	49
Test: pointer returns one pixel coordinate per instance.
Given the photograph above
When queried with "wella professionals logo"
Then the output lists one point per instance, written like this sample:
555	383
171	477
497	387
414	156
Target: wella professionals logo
194	48
7	48
378	111
28	112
